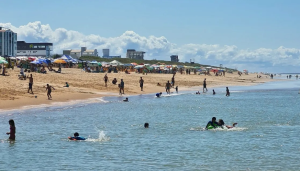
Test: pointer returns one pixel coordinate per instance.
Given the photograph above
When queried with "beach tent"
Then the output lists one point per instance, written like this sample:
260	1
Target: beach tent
66	58
115	63
139	66
93	63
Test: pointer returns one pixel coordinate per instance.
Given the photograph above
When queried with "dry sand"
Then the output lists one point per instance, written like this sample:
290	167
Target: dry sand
13	92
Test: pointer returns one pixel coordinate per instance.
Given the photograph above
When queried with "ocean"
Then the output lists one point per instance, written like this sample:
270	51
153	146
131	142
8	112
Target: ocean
266	136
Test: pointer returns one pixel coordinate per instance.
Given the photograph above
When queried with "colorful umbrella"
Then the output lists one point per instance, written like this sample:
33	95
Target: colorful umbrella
3	61
60	61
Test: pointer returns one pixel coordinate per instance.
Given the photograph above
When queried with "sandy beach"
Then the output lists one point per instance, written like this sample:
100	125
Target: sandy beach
13	91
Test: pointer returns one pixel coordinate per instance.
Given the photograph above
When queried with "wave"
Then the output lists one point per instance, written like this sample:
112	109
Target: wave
101	138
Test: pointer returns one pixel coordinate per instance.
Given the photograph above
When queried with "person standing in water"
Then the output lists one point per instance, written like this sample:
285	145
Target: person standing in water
12	133
49	89
105	80
168	87
122	87
204	85
214	92
141	83
227	92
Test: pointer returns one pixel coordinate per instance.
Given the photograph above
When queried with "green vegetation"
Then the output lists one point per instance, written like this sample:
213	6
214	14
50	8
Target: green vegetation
128	61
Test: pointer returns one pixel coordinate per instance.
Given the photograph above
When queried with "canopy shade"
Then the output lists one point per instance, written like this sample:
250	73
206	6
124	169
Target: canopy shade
115	62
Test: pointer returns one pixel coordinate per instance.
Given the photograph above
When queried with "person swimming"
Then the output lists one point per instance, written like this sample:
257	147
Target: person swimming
76	137
146	125
212	124
158	94
125	100
214	92
221	124
197	92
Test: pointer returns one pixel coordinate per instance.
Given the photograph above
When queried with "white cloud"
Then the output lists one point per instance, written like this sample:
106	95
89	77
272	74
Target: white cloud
158	47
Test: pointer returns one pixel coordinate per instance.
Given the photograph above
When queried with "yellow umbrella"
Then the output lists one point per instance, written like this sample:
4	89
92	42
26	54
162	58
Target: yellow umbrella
60	61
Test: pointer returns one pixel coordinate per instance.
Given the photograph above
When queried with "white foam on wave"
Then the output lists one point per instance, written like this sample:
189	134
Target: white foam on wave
102	138
218	129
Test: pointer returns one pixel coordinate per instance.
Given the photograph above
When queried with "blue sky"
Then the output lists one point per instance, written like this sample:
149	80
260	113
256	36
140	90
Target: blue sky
248	25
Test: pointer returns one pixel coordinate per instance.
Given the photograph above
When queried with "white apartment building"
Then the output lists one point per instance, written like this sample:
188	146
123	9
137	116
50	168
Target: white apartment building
34	49
8	42
79	53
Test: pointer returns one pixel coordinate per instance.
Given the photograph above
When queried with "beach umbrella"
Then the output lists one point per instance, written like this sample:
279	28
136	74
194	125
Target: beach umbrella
135	64
3	61
36	62
31	58
60	61
2	58
99	64
139	66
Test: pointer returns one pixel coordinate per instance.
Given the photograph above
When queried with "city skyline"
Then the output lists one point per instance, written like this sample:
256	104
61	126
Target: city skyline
254	35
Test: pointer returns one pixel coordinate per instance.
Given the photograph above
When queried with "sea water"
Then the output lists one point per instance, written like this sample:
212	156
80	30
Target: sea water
266	136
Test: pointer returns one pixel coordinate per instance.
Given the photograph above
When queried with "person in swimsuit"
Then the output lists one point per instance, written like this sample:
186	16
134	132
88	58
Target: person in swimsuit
141	83
168	86
12	133
221	123
204	85
146	125
158	94
76	137
212	124
49	89
214	92
105	79
30	83
122	87
227	92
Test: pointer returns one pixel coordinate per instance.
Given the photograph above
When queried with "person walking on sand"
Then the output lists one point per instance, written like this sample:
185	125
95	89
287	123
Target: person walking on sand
227	92
105	79
168	87
204	85
122	87
49	89
12	133
30	83
141	83
173	80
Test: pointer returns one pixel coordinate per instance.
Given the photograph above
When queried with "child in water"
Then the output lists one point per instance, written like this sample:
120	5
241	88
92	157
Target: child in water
76	137
221	123
12	132
125	100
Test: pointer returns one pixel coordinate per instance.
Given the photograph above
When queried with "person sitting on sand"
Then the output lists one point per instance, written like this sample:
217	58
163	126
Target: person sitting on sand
212	124
59	70
43	71
158	84
146	125
114	81
197	92
67	85
221	123
125	100
158	94
76	137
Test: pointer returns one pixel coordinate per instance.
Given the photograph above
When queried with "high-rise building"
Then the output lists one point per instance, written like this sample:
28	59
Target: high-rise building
132	54
174	58
8	42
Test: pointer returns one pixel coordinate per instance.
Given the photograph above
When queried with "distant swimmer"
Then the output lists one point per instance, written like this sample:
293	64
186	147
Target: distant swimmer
227	92
221	123
146	125
197	92
76	137
176	89
214	92
212	124
158	94
204	85
125	100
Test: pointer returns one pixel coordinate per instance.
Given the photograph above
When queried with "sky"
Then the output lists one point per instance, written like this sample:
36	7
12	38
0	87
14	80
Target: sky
257	35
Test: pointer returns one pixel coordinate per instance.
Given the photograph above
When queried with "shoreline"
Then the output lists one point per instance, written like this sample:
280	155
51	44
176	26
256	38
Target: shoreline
88	88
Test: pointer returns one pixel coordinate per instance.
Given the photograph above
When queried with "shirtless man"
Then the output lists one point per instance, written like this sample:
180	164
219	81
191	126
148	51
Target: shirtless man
49	89
204	85
30	83
141	83
168	87
105	79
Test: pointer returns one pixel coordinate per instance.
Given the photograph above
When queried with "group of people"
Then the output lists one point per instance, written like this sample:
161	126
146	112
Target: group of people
213	124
